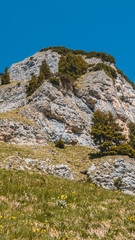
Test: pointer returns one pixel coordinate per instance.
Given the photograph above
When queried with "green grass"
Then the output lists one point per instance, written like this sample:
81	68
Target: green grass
76	157
30	201
29	210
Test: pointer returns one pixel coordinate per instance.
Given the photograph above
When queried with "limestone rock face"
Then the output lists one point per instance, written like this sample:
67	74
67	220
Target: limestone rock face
56	112
23	70
12	96
106	172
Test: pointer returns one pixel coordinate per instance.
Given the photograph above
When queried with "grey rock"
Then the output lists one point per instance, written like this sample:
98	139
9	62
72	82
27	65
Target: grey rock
93	167
121	168
57	112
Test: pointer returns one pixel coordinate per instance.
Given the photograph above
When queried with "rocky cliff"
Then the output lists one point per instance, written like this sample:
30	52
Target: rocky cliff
54	112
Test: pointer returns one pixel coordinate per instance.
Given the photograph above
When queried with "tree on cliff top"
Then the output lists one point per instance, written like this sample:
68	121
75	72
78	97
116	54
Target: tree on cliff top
72	65
5	78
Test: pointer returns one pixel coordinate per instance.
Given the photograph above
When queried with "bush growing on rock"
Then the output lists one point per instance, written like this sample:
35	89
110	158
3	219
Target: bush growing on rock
72	65
63	51
132	134
107	134
35	82
55	80
108	70
118	183
125	149
127	79
60	144
5	78
66	80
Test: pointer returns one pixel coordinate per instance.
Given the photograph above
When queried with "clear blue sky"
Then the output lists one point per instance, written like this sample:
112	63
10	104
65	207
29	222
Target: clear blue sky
91	25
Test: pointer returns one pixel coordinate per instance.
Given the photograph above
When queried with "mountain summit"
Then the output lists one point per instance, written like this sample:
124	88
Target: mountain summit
63	111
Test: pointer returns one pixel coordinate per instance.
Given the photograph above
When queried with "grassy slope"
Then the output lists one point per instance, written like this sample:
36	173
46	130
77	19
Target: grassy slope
29	210
76	157
28	201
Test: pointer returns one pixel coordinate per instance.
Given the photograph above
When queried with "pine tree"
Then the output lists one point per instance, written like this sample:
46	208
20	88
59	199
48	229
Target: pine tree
45	69
5	78
32	85
106	133
41	78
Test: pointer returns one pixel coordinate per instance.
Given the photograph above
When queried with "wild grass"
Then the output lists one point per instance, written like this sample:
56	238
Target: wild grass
38	206
13	115
76	157
29	209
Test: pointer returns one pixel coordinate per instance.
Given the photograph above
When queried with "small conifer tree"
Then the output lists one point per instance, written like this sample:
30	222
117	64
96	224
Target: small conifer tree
5	78
41	78
45	69
32	85
107	134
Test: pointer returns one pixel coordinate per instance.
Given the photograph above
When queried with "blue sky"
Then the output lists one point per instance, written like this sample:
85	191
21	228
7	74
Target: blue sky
91	25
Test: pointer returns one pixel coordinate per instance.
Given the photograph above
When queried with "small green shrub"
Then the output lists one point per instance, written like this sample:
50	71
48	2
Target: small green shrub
73	66
66	80
118	183
60	144
54	80
126	78
125	149
132	134
5	78
108	70
31	58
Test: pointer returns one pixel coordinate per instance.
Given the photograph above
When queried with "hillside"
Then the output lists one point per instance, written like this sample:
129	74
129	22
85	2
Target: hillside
47	192
35	206
54	112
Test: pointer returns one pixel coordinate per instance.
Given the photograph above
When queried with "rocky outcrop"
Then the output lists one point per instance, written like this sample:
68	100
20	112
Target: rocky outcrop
58	112
12	96
19	132
23	70
38	165
106	172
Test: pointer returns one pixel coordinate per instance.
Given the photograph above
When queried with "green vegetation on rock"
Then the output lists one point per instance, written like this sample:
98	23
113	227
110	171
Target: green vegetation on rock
45	69
32	86
107	134
108	70
118	183
132	134
54	80
126	78
64	51
59	144
72	65
35	82
5	78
